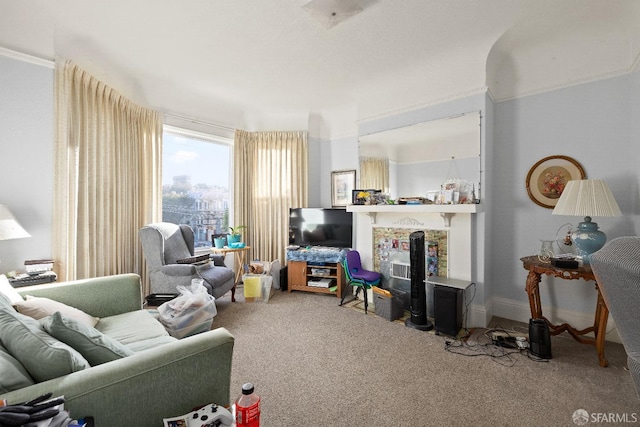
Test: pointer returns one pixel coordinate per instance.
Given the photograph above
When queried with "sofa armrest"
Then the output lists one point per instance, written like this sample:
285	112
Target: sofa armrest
100	296
144	388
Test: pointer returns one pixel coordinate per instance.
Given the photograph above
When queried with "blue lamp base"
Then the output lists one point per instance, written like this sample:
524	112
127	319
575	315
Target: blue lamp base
588	239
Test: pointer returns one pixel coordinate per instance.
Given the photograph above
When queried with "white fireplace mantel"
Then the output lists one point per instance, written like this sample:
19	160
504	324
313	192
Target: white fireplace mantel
445	211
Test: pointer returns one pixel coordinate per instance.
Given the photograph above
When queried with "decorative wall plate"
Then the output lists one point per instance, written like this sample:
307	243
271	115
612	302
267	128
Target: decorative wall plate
547	179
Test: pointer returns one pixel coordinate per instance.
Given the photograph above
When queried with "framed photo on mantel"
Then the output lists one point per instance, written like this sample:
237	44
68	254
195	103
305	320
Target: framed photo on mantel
342	184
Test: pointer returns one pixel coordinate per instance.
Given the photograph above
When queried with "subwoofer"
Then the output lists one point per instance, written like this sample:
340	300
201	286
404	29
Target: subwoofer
417	259
539	339
447	307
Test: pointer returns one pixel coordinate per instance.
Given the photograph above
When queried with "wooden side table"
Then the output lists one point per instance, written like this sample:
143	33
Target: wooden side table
240	254
536	269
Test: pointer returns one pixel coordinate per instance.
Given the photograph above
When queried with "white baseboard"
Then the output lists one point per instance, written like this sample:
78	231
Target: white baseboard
476	316
479	316
519	311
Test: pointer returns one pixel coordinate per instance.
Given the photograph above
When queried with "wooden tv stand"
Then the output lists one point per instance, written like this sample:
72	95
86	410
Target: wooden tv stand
300	273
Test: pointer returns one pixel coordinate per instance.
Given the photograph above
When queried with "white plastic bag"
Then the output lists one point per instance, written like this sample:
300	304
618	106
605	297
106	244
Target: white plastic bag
193	306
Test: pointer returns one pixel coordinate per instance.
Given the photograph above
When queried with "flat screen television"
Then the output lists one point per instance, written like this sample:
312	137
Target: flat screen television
321	227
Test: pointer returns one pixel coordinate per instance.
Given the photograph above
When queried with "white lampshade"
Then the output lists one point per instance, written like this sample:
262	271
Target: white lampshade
587	197
9	227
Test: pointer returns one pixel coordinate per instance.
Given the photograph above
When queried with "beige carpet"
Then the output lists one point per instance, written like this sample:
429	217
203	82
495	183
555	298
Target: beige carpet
315	363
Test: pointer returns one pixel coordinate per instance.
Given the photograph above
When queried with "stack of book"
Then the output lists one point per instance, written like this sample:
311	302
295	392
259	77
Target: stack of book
38	266
37	271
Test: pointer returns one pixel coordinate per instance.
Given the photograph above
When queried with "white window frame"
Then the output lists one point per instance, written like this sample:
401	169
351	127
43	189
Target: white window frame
214	139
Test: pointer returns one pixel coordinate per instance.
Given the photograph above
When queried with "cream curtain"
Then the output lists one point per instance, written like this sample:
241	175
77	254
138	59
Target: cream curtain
270	176
107	177
374	173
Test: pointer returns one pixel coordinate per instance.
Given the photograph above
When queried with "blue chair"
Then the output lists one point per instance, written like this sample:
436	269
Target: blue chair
358	276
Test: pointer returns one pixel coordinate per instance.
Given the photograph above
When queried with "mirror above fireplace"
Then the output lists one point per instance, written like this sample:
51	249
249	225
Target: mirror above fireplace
424	155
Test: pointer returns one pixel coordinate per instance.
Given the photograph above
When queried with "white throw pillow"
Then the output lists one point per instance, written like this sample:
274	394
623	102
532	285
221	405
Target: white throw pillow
9	291
38	308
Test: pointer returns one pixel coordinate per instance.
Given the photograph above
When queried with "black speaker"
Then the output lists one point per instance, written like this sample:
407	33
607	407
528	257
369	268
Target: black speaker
417	259
539	339
447	308
284	278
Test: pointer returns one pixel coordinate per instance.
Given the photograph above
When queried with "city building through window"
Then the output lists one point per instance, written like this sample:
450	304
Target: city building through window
196	182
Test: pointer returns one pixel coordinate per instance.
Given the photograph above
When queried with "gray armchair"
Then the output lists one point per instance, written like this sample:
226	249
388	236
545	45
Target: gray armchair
164	244
617	270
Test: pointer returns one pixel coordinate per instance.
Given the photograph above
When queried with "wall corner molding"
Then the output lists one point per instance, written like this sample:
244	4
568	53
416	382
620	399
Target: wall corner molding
27	58
572	83
442	100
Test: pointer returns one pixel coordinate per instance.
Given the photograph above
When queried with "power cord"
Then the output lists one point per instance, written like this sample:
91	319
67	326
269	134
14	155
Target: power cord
500	354
499	328
496	353
465	315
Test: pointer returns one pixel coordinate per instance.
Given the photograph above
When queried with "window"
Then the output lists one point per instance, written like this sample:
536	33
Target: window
195	182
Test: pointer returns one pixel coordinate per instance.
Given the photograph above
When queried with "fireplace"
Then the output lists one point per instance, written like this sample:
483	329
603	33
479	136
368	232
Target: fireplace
381	237
391	258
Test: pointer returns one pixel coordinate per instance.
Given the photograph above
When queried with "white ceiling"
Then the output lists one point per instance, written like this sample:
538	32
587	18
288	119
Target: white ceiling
267	64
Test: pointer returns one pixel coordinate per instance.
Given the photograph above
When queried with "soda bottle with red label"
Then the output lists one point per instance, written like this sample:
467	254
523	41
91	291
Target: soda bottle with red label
248	407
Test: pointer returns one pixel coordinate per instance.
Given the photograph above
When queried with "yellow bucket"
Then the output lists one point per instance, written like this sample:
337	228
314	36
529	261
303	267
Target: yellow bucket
252	287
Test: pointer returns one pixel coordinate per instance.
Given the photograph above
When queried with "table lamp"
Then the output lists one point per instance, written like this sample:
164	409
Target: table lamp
588	198
9	227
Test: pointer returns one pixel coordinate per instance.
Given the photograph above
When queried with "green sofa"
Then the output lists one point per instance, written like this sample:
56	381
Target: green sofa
162	377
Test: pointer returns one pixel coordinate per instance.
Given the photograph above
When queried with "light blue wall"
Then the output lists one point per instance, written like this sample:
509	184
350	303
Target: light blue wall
337	154
26	150
425	114
594	123
633	185
315	169
486	238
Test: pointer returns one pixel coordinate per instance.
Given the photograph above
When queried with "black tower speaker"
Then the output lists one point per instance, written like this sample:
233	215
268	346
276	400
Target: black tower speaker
447	307
539	339
417	259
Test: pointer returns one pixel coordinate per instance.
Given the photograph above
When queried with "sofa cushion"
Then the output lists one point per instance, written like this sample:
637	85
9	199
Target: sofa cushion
150	343
9	291
43	356
14	375
39	308
4	301
215	275
92	344
131	327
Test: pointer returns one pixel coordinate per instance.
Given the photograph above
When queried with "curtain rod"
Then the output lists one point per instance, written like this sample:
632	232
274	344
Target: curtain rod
201	122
